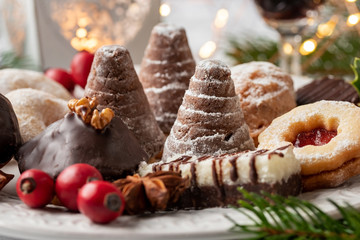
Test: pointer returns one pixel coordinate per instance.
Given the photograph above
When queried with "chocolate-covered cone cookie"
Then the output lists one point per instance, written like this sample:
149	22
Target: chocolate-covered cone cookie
10	138
165	72
115	84
114	151
210	120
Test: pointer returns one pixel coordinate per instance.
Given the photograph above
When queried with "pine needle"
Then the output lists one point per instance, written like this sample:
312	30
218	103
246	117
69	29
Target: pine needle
277	217
356	68
10	59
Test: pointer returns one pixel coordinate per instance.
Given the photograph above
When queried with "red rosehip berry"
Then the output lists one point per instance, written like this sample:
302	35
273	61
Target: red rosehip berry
61	76
35	188
81	66
101	201
71	179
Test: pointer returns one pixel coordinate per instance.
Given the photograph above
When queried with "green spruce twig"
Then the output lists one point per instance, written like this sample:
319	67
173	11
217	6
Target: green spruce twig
356	68
10	59
334	60
277	217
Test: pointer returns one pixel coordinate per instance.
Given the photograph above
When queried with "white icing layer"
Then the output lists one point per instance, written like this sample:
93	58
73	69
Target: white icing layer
271	167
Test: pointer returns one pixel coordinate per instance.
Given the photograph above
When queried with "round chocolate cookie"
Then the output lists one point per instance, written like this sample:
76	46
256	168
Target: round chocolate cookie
327	88
114	151
10	138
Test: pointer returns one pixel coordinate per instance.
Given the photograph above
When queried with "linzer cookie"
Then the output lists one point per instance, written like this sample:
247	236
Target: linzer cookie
327	88
165	72
114	82
210	120
265	92
84	135
214	180
326	136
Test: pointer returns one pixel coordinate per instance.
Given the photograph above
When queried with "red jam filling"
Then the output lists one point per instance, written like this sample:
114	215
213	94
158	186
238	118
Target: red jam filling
316	137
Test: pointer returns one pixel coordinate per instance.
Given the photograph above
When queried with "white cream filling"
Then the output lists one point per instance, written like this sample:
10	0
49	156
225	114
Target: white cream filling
271	167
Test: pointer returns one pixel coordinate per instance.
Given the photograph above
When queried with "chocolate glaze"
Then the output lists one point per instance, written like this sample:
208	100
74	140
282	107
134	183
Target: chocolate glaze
327	88
207	196
10	138
253	173
233	171
114	151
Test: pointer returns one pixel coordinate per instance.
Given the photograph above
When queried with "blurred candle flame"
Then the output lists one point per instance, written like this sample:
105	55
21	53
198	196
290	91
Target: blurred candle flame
207	49
221	18
308	47
165	10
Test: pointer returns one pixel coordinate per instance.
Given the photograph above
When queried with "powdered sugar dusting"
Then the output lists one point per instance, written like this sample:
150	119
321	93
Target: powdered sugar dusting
213	80
175	75
213	131
170	86
203	96
210	64
108	50
167	30
343	116
259	74
213	114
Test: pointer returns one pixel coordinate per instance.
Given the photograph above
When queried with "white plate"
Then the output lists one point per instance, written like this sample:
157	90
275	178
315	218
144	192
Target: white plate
19	221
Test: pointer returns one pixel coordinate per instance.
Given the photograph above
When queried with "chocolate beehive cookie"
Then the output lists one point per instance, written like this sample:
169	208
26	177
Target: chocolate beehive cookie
84	135
114	82
10	138
210	120
165	72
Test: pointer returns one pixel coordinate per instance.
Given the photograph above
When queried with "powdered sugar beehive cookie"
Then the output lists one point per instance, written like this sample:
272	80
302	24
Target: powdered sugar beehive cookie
35	110
210	120
115	84
265	92
165	72
12	79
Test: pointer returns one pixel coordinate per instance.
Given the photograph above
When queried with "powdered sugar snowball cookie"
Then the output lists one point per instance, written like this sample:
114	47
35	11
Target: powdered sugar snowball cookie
165	72
265	92
36	110
12	79
115	84
210	120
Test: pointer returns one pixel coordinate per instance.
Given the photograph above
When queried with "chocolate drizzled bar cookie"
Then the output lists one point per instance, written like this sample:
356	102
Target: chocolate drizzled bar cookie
214	181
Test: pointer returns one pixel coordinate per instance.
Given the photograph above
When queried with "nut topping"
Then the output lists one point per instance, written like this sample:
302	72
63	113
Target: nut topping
86	109
155	191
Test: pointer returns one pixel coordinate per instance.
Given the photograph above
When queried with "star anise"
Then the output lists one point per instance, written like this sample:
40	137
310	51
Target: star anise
5	179
153	192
